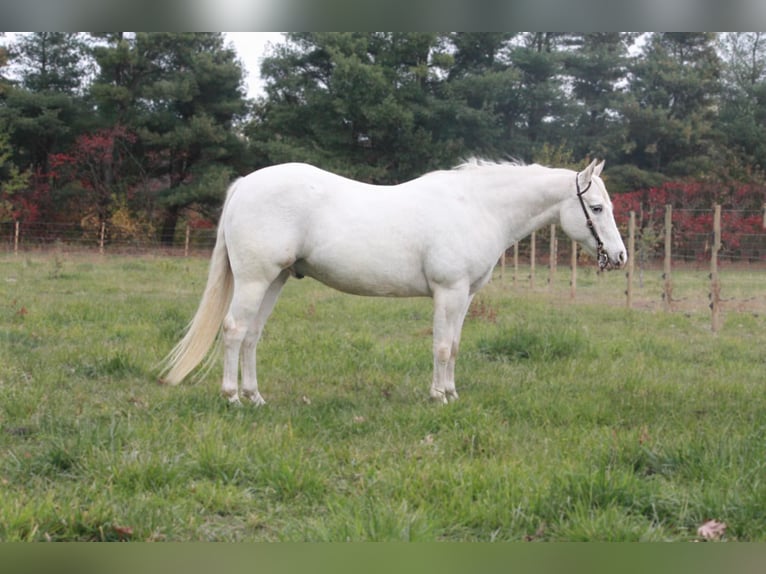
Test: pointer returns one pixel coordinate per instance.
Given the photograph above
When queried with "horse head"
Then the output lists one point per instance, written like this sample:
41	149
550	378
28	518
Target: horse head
587	217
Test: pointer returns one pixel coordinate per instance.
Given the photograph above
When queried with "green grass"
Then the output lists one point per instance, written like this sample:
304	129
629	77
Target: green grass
581	421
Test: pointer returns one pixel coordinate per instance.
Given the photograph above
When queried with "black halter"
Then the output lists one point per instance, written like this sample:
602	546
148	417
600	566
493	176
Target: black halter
603	258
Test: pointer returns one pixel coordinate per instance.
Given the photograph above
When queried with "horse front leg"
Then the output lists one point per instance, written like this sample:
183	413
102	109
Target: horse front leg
450	306
450	388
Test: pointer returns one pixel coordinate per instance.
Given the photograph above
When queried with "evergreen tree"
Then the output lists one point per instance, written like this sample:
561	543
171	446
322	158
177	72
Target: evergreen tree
52	62
182	95
44	109
542	105
476	53
670	116
122	69
329	103
596	64
12	183
480	98
380	107
375	106
3	63
742	117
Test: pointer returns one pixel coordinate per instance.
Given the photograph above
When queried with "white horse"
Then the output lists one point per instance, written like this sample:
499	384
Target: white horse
437	236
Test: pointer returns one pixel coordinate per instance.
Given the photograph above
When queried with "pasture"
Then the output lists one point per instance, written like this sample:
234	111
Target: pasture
578	421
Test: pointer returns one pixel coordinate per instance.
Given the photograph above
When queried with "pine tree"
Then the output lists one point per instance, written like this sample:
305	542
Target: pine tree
331	103
384	107
182	95
12	182
43	110
674	88
742	117
52	62
596	64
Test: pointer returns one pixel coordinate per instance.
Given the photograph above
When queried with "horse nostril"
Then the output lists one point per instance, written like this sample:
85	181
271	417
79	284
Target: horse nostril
623	257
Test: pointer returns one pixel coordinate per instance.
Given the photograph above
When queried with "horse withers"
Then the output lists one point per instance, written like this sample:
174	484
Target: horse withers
437	236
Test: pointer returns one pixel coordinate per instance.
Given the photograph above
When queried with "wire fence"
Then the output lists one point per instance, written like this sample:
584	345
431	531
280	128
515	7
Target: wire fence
743	238
708	247
69	237
718	262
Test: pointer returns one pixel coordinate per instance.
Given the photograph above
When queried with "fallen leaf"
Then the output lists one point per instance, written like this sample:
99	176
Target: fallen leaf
306	400
539	533
123	532
138	402
712	530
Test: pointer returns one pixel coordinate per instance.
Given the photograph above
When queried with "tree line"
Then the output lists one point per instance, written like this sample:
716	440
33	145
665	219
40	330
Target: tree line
144	130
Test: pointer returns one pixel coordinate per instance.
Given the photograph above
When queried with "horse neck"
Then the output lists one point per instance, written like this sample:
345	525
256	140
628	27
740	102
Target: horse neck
524	202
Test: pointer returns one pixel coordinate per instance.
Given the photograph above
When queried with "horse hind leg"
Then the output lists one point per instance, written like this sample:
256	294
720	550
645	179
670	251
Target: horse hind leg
253	335
243	311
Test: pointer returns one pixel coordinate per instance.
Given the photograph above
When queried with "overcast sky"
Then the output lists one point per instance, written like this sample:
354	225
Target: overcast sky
251	47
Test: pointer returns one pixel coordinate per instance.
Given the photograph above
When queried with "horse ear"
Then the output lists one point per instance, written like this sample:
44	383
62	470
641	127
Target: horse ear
597	170
585	175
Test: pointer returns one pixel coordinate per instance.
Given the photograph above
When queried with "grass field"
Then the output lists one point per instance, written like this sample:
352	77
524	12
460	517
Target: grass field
577	421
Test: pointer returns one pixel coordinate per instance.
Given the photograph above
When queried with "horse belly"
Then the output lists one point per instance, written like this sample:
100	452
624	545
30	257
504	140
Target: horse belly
370	275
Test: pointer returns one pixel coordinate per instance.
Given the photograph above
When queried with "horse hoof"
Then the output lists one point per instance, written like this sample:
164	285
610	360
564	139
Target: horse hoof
255	399
438	396
233	400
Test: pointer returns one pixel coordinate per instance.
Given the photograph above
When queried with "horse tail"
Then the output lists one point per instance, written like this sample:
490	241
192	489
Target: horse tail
206	324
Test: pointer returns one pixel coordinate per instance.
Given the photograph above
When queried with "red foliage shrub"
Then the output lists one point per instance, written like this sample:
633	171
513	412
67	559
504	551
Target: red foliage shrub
693	203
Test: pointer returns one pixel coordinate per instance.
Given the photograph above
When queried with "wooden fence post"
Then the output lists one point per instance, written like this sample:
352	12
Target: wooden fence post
667	293
515	262
186	241
101	238
715	284
631	257
16	238
502	268
532	257
552	257
573	280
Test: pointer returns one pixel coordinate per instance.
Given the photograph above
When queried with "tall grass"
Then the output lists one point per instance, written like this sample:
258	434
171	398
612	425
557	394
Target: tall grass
576	421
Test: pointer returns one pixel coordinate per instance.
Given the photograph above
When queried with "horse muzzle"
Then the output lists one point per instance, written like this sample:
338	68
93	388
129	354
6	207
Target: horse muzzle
607	263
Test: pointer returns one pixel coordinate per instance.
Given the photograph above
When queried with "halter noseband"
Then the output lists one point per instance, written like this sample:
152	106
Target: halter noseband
603	258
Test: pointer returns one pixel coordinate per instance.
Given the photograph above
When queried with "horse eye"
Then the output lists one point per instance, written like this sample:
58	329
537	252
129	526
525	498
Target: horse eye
597	209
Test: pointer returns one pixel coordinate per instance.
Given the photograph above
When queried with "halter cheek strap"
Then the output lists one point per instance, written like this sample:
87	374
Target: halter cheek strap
603	258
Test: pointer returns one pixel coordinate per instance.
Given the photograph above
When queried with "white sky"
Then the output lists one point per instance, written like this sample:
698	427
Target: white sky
251	48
